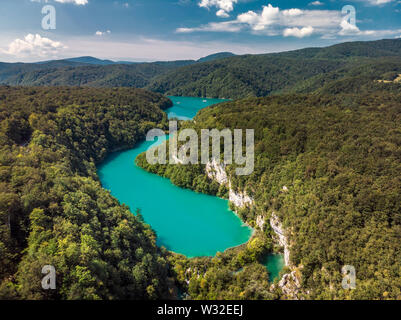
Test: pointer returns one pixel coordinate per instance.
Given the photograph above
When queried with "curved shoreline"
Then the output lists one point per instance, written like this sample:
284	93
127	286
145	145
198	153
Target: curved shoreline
211	228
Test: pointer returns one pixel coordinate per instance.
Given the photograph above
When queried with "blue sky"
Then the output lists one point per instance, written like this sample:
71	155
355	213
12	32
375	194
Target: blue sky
149	30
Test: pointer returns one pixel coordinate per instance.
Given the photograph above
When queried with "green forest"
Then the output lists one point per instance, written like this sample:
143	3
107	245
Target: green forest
53	209
327	126
348	67
339	156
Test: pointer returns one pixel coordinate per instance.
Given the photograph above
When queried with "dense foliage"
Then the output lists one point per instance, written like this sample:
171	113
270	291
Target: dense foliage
301	70
340	158
332	138
91	72
53	210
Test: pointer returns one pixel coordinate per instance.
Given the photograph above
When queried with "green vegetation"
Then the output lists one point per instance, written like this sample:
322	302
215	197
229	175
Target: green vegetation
53	209
339	156
296	71
347	66
91	72
235	274
331	134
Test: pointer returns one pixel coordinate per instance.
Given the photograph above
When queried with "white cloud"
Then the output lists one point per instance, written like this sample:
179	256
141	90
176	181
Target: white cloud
269	16
222	14
213	27
34	46
102	33
293	12
297	32
377	2
316	3
273	21
348	29
76	2
223	6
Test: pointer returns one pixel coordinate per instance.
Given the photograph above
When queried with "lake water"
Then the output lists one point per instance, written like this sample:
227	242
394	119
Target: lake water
185	222
185	108
274	263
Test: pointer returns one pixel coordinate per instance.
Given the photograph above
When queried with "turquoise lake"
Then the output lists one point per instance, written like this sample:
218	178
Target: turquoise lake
185	222
274	263
185	108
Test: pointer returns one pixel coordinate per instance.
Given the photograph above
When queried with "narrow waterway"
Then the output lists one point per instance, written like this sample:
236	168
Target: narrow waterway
185	222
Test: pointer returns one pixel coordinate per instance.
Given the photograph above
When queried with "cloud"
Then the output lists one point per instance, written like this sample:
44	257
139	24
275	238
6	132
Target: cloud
224	6
76	2
296	32
102	33
348	29
273	21
377	2
316	3
269	16
34	45
222	14
213	27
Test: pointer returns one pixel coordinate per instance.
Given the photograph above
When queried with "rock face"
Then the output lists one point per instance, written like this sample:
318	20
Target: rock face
290	285
290	282
277	227
240	199
260	222
217	172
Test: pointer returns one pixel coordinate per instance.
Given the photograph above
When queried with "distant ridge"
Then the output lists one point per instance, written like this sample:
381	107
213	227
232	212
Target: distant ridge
91	60
216	56
345	67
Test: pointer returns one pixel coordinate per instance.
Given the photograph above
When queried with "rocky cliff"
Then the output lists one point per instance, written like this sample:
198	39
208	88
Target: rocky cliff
290	282
217	172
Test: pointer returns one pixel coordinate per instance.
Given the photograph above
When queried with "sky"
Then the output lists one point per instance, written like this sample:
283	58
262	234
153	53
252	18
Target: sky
152	30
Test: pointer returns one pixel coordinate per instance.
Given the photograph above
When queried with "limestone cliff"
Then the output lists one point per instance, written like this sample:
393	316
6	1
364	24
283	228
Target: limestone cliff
277	227
217	172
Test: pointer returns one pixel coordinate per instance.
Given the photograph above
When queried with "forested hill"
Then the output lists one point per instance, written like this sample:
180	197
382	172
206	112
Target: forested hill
92	72
224	75
339	158
53	210
261	75
71	74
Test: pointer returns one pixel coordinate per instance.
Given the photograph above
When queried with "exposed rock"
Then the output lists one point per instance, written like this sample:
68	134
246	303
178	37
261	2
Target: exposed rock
217	172
277	227
177	160
290	285
260	222
240	199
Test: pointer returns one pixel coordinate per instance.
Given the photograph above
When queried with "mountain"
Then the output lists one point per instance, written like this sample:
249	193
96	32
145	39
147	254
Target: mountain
91	60
216	56
327	168
89	71
261	75
224	75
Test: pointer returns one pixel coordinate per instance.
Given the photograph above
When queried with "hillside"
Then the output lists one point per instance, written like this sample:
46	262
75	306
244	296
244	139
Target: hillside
90	71
53	209
261	75
224	75
136	75
338	157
